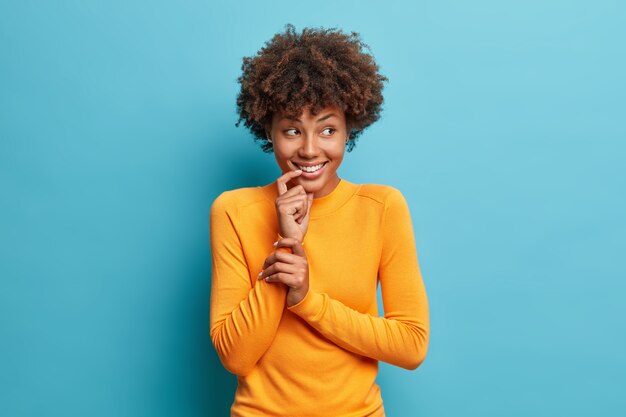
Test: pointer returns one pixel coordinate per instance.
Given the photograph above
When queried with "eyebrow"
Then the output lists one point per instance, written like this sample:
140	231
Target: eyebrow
318	120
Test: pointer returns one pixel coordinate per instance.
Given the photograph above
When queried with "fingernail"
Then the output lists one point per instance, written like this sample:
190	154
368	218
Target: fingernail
275	243
260	273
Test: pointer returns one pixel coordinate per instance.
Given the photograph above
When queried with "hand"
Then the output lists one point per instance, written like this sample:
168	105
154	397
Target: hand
292	207
292	269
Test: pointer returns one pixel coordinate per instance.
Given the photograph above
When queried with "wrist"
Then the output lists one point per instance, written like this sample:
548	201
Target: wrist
296	296
299	238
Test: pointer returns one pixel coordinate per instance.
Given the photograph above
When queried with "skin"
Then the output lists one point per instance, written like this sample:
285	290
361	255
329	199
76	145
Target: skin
312	139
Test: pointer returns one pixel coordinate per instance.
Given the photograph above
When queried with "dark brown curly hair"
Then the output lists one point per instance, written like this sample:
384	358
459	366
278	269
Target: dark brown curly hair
315	69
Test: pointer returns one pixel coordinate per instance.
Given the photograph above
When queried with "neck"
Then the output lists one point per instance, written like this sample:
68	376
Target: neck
332	184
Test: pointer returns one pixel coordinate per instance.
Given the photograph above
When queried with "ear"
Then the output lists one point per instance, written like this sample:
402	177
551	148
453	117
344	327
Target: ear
268	129
348	127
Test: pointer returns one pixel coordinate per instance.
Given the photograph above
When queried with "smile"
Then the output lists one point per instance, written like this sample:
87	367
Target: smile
312	173
311	169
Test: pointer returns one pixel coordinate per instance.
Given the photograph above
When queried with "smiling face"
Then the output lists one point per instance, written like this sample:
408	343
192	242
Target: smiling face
307	142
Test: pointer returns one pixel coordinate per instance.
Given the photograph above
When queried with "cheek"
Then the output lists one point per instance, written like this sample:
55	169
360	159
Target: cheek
338	160
283	148
281	153
337	153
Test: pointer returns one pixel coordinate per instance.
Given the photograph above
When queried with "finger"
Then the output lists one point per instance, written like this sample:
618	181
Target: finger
292	166
296	190
275	268
269	260
288	279
285	242
300	198
296	206
309	199
298	249
281	182
291	209
294	244
291	205
306	208
309	204
284	255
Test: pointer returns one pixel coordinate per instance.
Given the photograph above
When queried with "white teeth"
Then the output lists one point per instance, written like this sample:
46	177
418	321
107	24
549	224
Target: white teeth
311	169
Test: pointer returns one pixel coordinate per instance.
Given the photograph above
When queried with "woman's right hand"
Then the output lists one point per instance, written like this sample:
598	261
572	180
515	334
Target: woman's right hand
292	207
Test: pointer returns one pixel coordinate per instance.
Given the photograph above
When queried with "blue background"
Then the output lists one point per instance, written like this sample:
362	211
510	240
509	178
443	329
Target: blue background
503	126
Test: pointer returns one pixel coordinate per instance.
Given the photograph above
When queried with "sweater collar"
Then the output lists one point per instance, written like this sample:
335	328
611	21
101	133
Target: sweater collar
322	205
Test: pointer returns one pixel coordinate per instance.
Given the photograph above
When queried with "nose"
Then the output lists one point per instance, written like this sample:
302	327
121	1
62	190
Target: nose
310	146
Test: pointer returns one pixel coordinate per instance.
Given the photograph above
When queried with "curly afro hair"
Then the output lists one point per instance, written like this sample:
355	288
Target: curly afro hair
315	69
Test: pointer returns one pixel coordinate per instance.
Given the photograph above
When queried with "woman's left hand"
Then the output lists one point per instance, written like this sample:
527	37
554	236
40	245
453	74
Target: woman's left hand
292	269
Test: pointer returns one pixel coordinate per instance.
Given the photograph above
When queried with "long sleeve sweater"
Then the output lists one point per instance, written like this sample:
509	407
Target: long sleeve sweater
319	357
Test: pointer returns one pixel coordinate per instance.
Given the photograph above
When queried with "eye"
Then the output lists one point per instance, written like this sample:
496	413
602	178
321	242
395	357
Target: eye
330	128
288	134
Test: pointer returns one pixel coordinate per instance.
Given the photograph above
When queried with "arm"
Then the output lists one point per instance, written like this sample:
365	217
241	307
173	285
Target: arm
243	318
401	337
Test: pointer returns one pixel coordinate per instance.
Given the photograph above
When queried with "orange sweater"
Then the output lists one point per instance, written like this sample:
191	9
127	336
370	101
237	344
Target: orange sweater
318	357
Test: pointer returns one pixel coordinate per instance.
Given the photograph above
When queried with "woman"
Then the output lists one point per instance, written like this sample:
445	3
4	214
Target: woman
296	263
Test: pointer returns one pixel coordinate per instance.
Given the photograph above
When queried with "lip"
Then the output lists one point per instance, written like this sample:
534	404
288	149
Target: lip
313	175
308	164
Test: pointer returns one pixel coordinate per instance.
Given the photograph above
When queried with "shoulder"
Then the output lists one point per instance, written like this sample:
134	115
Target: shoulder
383	194
233	200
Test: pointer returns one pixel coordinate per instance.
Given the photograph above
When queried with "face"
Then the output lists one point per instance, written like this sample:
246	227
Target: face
311	140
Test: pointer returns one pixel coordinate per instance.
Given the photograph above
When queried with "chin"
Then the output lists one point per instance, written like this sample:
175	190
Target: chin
308	186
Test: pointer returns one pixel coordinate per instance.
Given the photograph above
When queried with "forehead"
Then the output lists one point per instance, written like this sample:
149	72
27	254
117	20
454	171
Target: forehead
328	112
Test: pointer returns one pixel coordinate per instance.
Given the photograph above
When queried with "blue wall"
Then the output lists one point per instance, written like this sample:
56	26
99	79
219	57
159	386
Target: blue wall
503	126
